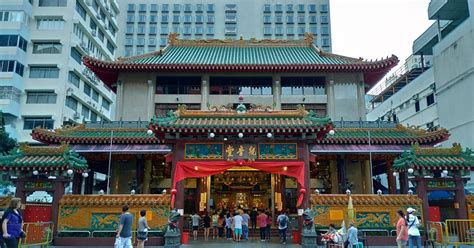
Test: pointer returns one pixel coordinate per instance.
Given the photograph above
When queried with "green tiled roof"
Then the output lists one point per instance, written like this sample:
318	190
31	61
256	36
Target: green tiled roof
208	55
435	159
44	159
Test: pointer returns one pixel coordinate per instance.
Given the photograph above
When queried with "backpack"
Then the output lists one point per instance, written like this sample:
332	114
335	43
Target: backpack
284	221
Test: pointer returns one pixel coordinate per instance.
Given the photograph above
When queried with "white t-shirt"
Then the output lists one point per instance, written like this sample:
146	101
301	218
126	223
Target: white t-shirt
238	221
413	223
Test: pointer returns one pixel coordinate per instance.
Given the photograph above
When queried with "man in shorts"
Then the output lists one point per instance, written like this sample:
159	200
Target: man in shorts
195	220
238	226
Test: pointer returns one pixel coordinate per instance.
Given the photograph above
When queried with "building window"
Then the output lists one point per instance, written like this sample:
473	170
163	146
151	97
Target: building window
210	18
152	42
13	16
175	29
279	19
313	30
152	29
153	7
44	72
93	26
430	99
165	8
141	18
41	97
313	19
176	19
178	85
52	3
87	89
187	30
188	18
42	122
12	41
76	55
71	103
278	8
267	19
312	8
324	19
10	92
301	30
50	24
199	30
210	30
85	112
164	30
289	8
417	106
7	65
199	18
131	8
74	79
142	8
81	10
141	41
164	19
93	116
129	29
267	31
110	47
188	8
105	104
301	19
130	18
230	18
163	42
240	86
176	8
290	31
153	18
324	8
128	52
279	31
300	7
210	7
430	126
325	42
290	19
199	7
325	30
95	95
302	86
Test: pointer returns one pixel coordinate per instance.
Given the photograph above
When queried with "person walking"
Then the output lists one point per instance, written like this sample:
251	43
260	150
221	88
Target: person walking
402	230
215	226
12	224
238	226
228	224
123	238
221	225
245	225
253	218
207	226
352	236
195	218
262	223
142	230
282	221
413	232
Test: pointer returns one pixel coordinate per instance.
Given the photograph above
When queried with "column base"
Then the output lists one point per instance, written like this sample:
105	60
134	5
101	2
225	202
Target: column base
172	239
308	239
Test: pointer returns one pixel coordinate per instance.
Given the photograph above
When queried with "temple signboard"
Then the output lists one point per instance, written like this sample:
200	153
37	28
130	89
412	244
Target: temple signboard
441	184
231	152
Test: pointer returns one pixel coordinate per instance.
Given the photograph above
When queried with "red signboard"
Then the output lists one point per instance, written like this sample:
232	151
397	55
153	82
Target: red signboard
434	214
37	212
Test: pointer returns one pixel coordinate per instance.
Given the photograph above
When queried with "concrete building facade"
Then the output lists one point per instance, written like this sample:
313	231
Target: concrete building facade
43	81
145	24
443	94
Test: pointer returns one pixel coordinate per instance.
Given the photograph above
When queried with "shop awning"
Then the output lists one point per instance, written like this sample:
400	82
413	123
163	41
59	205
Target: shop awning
323	148
124	149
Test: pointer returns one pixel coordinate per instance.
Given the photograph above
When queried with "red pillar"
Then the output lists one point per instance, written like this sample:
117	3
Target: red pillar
403	183
421	190
178	154
460	199
392	185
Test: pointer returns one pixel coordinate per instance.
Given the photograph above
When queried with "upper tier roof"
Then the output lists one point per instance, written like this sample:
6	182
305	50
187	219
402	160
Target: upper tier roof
240	56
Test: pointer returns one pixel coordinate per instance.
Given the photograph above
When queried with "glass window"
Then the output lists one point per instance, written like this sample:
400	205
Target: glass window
140	51
42	122
52	3
110	47
131	7
279	30
278	8
152	41
130	29
95	95
267	19
152	29
41	97
290	19
300	7
210	30
312	19
430	99
142	8
325	42
199	30
7	65
210	8
301	30
44	72
176	8
128	51
199	7
47	48
74	79
165	8
303	86
210	18
188	8
164	30
312	8
153	7
175	18
290	31
267	8
81	10
278	19
86	112
71	103
289	7
93	25
164	18
153	18
199	18
76	55
417	106
324	8
188	18
301	19
93	116
141	29
50	23
175	29
178	85
324	19
325	30
163	41
87	89
105	104
267	31
313	30
141	18
187	30
129	41
130	18
141	41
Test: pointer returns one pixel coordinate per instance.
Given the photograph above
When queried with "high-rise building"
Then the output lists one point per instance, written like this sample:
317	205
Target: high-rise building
42	80
145	24
438	90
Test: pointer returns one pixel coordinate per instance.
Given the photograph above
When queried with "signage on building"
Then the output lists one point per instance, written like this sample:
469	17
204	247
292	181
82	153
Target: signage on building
250	152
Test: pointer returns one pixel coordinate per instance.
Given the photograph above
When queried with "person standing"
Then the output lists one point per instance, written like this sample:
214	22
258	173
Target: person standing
238	226
207	226
215	226
124	232
142	230
221	225
262	223
228	224
282	221
402	230
245	225
253	218
413	232
352	236
195	218
12	224
268	230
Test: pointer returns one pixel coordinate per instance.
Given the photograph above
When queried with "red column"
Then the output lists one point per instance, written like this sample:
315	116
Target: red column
392	185
403	183
460	199
421	190
178	154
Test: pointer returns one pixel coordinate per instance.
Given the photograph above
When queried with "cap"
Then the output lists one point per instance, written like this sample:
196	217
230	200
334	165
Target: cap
410	210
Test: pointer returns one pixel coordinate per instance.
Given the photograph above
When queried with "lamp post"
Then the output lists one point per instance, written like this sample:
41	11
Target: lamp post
110	161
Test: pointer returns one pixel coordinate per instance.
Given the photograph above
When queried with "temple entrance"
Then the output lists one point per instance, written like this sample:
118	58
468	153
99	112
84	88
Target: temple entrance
241	189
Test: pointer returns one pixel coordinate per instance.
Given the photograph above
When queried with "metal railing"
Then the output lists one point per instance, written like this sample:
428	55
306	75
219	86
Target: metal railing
109	233
37	234
459	232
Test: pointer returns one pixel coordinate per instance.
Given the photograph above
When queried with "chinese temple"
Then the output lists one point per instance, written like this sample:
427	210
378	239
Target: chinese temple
222	124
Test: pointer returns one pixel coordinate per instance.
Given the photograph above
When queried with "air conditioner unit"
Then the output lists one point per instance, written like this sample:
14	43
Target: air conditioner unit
94	33
76	116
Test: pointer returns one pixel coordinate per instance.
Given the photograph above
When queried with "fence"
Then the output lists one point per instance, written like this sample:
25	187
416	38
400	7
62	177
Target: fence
37	234
459	232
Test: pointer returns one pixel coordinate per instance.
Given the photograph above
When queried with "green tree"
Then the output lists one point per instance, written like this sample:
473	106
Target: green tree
6	142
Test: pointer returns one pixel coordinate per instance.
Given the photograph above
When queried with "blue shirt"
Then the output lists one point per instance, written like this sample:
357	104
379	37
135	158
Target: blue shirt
126	220
14	223
352	236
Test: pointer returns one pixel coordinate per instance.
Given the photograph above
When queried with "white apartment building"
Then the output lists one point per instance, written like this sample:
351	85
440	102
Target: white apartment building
42	80
442	95
145	24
